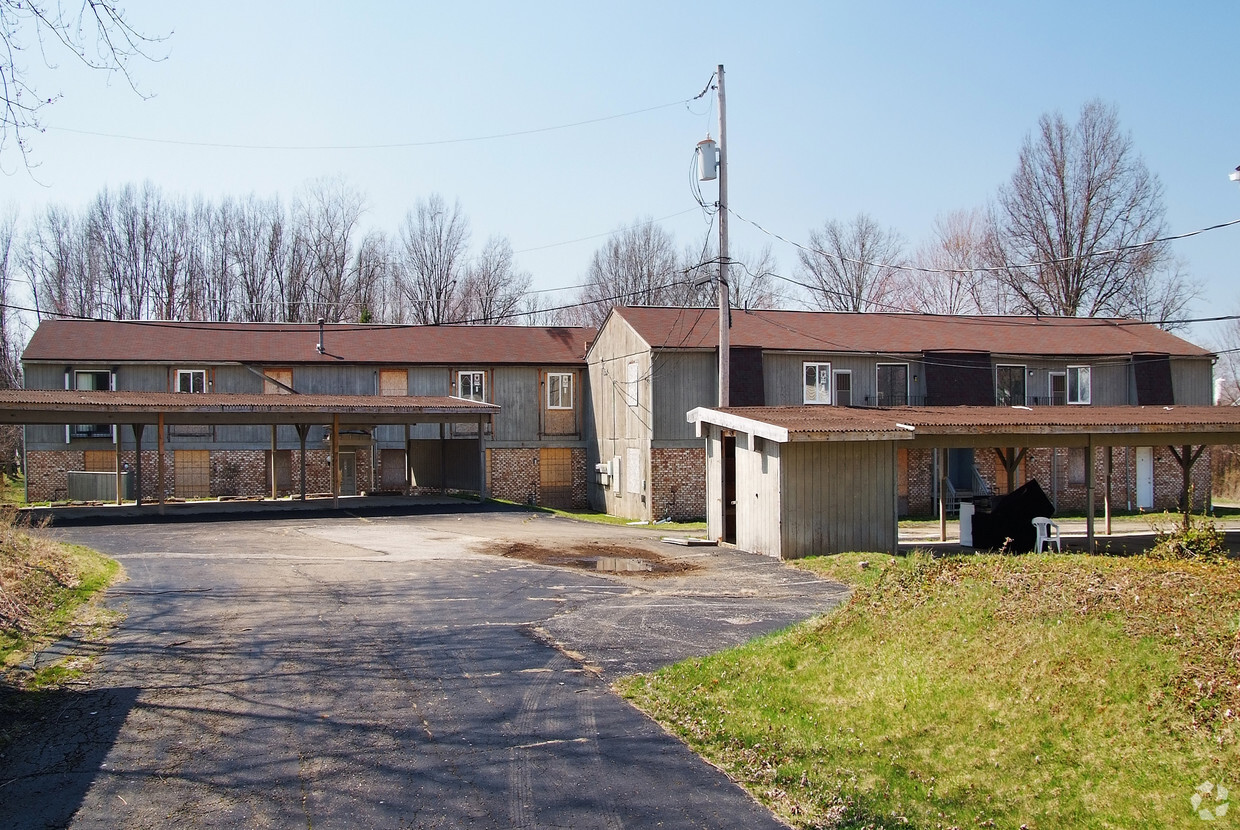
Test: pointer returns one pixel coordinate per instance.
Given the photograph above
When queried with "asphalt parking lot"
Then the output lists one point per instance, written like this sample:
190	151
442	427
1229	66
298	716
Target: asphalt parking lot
393	672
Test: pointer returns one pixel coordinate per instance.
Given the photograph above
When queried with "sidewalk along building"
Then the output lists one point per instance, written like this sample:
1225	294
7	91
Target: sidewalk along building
535	450
649	366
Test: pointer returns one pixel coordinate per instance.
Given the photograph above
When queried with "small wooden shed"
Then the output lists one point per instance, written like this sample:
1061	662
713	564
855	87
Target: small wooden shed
799	481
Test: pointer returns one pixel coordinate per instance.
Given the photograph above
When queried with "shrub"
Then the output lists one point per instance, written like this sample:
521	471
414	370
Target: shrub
1197	538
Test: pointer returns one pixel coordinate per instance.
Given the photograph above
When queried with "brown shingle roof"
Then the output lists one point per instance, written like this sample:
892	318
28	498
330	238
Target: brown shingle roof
882	333
294	343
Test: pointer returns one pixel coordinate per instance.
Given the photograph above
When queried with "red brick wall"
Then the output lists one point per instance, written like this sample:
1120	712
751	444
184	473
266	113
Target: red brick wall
1054	480
678	483
514	474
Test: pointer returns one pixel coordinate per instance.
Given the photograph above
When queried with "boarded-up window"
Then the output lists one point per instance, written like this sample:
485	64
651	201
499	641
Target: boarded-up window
193	473
279	381
99	461
559	413
393	382
391	469
1076	466
555	472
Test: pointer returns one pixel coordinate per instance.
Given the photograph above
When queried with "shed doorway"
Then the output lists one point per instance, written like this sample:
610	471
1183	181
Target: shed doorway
729	489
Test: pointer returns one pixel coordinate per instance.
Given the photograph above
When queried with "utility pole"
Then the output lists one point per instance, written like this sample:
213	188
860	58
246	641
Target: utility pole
724	304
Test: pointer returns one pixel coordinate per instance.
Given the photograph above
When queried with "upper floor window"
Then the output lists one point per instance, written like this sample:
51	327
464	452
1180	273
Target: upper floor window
892	384
560	390
817	383
471	386
1009	385
1078	384
191	380
92	380
632	382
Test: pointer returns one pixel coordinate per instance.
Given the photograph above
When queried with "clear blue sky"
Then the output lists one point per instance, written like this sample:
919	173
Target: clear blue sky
905	110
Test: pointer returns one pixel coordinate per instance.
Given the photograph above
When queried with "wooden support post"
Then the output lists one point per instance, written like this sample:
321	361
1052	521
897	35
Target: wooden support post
302	431
1089	494
159	487
117	433
274	493
443	459
335	444
137	442
941	454
1106	496
482	459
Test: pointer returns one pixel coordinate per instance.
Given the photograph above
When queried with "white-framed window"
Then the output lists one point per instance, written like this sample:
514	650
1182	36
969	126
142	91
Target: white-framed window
92	380
560	390
817	387
1009	385
1078	385
472	386
843	387
191	380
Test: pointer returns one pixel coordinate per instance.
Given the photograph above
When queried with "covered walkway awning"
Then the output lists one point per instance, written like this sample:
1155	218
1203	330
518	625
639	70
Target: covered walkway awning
159	409
939	428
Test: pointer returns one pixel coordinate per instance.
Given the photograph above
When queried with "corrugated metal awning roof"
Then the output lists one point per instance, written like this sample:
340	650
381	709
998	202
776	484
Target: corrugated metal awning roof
984	425
60	406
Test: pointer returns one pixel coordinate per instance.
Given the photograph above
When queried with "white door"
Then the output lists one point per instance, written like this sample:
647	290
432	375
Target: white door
1145	478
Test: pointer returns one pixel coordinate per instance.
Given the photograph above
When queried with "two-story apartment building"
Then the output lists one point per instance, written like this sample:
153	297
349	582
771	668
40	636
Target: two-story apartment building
649	366
535	447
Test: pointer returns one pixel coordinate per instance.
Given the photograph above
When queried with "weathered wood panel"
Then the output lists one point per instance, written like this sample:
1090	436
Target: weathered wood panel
758	495
681	381
620	393
1193	382
516	390
837	497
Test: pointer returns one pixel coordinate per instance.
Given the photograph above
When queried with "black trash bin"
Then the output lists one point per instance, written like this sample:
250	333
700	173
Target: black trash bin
1012	518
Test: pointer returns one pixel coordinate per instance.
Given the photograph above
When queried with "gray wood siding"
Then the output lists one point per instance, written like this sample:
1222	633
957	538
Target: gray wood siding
517	391
618	427
785	379
1110	381
682	381
1193	381
758	495
428	380
837	496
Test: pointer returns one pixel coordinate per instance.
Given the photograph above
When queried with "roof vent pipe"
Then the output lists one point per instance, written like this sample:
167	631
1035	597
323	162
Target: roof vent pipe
320	346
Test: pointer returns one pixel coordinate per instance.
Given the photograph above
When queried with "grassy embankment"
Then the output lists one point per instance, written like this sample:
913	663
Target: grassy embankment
46	592
997	691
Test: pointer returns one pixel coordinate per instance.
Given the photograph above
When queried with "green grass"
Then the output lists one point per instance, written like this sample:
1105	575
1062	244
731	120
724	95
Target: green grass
13	491
1045	691
46	590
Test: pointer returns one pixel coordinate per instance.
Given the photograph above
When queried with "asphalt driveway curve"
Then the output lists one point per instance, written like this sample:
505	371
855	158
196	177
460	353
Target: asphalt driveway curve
391	672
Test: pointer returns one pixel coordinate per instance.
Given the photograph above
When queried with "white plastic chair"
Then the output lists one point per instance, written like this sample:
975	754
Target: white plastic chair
1048	534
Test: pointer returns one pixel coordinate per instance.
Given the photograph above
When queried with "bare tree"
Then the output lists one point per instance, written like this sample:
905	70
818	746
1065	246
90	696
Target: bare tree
97	35
638	265
328	218
376	297
952	276
852	266
434	241
1071	226
493	288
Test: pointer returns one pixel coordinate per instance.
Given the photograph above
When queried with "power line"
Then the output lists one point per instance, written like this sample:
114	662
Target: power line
400	145
984	268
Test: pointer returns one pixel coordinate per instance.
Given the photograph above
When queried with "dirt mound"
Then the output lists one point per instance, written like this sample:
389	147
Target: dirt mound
600	558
